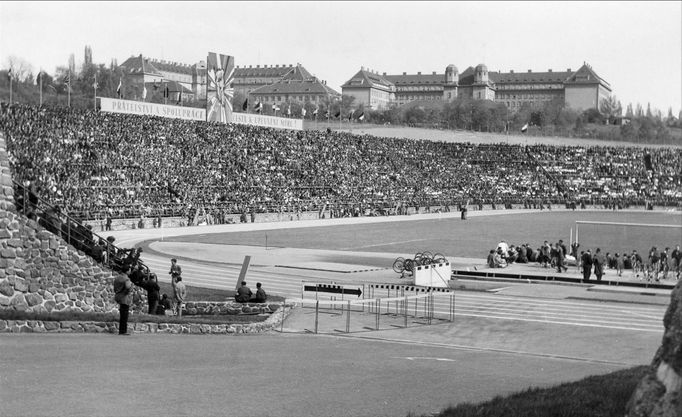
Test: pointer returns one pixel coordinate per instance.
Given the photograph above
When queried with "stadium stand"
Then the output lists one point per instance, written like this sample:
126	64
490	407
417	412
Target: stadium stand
95	165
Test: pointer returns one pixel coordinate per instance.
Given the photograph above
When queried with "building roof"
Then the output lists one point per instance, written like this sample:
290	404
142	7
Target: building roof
296	87
174	67
141	65
367	79
297	73
173	87
586	75
528	77
265	71
467	77
411	79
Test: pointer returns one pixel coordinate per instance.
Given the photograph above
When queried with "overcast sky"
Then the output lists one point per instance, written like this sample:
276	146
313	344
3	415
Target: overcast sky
635	46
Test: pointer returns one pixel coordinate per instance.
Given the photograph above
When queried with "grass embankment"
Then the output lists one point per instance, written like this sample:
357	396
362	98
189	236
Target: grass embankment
193	294
594	396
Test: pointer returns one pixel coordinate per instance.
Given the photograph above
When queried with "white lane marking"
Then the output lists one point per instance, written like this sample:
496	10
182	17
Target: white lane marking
424	358
384	244
473	348
563	312
571	323
553	302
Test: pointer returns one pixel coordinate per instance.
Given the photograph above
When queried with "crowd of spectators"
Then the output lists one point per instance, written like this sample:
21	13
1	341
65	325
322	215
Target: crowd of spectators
97	165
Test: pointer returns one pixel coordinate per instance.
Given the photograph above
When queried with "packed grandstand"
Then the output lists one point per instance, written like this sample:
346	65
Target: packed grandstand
94	164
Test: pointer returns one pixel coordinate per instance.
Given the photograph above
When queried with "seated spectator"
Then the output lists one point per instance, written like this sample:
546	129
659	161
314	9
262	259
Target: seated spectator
243	294
164	305
499	260
261	296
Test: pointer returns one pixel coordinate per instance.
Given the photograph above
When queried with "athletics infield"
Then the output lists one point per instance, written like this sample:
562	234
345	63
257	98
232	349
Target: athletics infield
500	342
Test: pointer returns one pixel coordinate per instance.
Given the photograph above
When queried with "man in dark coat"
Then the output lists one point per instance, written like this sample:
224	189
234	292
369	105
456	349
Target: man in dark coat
152	286
586	261
123	288
598	260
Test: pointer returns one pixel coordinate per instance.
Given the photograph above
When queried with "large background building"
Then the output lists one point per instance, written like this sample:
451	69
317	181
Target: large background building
270	84
297	85
580	90
185	83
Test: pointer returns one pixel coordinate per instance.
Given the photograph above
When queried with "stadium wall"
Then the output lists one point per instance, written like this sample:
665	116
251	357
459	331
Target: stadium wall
39	271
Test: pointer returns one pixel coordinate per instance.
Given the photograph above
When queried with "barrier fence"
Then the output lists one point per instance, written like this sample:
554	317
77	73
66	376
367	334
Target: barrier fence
371	314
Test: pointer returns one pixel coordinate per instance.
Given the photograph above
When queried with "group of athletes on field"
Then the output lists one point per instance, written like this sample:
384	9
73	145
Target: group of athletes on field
657	266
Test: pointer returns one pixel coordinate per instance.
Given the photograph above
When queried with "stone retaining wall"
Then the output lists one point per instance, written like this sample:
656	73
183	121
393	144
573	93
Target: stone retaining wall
38	326
40	272
193	308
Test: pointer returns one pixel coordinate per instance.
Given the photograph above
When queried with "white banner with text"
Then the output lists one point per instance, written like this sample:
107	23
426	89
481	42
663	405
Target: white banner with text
114	105
267	121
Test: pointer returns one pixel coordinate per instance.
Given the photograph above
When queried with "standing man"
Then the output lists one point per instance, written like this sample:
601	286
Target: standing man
175	272
664	263
123	288
152	286
677	261
180	291
598	260
587	265
560	257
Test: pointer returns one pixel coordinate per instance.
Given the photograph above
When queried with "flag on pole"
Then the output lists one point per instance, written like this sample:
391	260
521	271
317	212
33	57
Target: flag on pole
362	116
303	112
316	110
166	92
180	96
9	74
289	110
245	105
275	108
350	115
524	128
118	89
338	114
144	92
258	107
94	85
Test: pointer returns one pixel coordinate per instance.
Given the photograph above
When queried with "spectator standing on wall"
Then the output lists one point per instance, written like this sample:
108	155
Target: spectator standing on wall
123	288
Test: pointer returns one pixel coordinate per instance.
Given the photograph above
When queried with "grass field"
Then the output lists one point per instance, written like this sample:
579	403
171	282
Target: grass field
472	238
481	137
